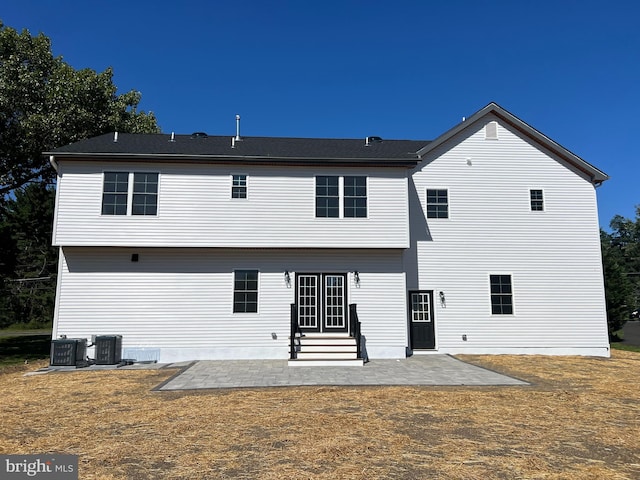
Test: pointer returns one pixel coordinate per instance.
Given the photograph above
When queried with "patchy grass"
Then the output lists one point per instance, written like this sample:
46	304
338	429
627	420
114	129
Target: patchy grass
624	346
579	420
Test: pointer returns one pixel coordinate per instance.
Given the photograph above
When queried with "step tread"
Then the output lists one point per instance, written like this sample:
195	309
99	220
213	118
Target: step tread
327	362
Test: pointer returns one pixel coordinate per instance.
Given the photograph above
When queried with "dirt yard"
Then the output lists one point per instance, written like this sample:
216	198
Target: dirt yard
579	420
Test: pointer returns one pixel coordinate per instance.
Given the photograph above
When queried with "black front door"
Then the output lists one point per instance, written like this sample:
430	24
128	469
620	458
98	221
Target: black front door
421	320
322	302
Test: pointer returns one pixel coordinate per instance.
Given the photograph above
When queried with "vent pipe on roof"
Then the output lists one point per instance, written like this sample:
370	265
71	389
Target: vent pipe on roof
173	137
233	142
238	139
366	142
115	137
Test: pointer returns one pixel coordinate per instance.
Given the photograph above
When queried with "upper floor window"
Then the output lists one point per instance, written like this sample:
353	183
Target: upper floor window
341	197
145	194
327	197
245	291
537	200
114	193
239	186
119	199
501	294
437	203
355	197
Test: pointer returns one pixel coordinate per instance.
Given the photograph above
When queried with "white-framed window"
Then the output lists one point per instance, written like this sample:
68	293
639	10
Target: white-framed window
355	197
145	194
130	193
437	203
501	294
536	197
115	192
245	291
239	186
341	196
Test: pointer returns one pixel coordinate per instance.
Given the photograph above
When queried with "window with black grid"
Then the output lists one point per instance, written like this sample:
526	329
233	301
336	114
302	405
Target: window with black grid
245	291
437	203
537	200
501	295
145	194
114	193
355	197
327	197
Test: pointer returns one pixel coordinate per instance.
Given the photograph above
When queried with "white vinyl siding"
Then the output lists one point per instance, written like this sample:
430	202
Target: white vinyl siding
181	300
195	209
555	257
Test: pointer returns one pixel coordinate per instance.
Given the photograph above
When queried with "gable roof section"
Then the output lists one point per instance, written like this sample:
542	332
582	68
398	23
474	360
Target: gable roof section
597	176
254	150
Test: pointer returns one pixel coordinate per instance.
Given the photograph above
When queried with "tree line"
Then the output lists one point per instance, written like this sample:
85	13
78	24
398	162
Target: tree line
45	103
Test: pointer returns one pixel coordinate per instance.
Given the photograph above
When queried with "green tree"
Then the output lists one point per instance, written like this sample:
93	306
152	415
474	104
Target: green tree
45	103
621	262
30	289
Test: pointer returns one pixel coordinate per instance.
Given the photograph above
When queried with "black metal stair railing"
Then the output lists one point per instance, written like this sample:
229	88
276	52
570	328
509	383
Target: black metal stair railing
355	327
294	329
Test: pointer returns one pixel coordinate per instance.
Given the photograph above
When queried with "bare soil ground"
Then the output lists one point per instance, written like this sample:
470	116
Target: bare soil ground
580	419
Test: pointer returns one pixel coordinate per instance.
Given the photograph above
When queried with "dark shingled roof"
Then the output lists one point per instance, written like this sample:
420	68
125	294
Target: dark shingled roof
252	149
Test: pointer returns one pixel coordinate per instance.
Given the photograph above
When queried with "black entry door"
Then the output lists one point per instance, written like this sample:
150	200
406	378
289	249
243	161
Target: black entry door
421	320
322	302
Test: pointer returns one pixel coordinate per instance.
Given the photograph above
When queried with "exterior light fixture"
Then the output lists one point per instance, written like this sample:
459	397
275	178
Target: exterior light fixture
356	277
287	278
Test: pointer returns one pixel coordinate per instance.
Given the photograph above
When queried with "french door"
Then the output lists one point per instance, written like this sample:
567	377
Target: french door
322	302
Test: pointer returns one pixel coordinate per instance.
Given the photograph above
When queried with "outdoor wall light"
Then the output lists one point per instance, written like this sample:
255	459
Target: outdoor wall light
443	300
287	278
356	277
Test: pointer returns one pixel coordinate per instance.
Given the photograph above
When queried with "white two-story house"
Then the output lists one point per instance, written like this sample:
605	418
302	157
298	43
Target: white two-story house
485	240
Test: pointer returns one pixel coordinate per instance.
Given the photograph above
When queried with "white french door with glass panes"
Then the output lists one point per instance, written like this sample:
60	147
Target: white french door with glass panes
322	302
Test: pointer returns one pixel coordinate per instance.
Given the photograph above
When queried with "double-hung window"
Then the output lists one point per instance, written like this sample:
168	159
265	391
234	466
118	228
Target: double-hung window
245	291
239	186
355	197
145	194
501	294
341	197
437	203
114	193
537	200
327	196
130	193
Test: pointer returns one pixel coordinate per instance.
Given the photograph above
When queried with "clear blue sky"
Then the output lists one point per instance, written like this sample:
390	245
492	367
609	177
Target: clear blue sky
401	69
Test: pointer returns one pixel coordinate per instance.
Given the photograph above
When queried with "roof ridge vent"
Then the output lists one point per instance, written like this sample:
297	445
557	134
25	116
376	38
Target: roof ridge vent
369	140
199	135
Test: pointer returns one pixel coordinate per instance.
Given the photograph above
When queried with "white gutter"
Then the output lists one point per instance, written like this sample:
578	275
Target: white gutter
54	164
